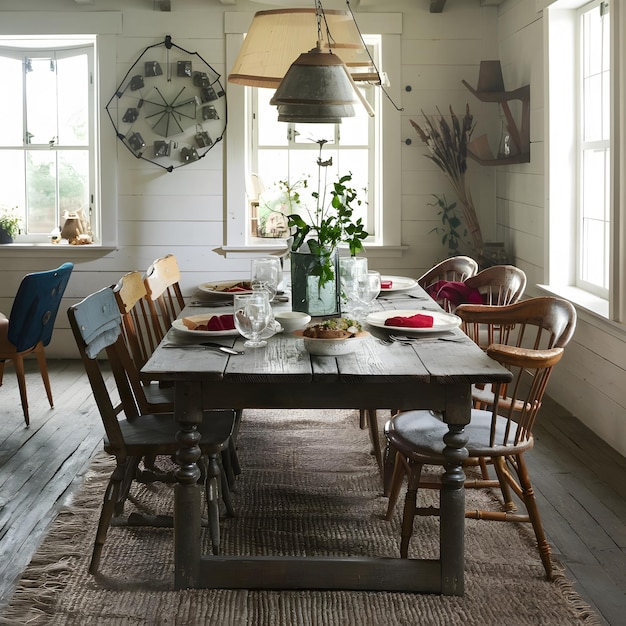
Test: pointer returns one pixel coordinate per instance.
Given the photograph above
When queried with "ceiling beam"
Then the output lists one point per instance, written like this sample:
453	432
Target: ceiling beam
436	6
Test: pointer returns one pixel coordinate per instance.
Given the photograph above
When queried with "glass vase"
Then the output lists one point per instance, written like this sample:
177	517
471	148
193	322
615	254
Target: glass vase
307	295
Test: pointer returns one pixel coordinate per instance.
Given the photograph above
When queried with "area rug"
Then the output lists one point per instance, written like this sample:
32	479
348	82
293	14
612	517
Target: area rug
309	486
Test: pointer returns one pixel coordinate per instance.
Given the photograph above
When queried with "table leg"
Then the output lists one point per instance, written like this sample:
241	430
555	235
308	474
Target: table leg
452	503
187	493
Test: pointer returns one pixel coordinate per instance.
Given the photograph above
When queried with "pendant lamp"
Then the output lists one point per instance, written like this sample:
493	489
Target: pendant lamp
312	114
276	37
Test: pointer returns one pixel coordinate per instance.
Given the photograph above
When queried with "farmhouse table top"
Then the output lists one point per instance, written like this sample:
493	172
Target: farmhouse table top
429	373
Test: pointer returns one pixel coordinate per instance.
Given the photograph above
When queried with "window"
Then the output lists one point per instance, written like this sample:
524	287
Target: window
383	208
288	152
46	132
594	209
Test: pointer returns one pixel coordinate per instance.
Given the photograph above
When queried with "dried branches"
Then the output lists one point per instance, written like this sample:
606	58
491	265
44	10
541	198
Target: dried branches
447	144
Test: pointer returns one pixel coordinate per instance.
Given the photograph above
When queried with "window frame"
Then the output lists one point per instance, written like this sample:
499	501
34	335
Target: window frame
238	142
104	26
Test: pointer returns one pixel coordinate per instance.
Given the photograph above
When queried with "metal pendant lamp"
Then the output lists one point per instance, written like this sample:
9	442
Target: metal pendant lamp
312	114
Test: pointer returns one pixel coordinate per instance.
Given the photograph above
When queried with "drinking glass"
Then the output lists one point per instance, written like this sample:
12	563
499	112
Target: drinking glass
351	270
252	314
368	289
266	274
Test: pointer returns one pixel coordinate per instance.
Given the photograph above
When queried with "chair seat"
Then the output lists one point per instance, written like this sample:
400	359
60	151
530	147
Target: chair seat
419	436
158	431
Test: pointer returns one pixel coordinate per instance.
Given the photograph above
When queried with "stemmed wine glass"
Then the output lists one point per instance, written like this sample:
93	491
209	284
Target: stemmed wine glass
252	314
352	269
266	274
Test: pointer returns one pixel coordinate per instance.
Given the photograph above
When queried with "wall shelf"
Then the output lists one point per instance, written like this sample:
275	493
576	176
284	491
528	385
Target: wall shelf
491	89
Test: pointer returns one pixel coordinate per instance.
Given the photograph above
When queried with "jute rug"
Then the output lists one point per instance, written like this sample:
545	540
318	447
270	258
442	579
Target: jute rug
309	485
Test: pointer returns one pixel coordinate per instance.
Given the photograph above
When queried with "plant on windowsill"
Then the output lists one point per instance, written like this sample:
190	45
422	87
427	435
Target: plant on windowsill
10	225
329	224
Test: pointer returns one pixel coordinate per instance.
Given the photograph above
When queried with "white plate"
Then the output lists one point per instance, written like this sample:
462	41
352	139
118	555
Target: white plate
332	347
178	325
217	289
398	283
441	321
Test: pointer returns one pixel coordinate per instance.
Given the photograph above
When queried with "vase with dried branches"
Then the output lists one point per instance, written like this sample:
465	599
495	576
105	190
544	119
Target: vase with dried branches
447	146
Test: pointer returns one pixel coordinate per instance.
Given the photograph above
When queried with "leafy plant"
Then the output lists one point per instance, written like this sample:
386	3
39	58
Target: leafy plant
330	223
10	222
447	146
453	232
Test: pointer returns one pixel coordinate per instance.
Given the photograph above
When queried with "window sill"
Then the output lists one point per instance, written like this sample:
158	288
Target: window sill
53	249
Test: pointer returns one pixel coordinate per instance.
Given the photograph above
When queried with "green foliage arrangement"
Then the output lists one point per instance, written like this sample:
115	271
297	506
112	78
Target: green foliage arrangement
330	223
454	235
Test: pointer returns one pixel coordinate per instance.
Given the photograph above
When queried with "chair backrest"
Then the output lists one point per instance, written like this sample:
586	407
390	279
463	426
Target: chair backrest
537	323
137	324
536	331
499	284
165	298
97	325
35	307
457	268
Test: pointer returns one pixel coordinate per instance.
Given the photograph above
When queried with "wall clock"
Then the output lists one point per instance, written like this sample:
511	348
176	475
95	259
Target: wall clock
170	108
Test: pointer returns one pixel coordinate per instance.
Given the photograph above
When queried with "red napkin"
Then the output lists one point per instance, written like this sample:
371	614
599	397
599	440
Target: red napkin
221	322
455	292
418	320
233	289
386	284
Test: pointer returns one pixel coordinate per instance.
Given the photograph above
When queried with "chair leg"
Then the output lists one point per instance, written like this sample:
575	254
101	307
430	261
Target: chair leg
111	495
395	483
212	490
533	512
499	465
410	502
43	368
126	480
372	420
21	382
1	371
362	419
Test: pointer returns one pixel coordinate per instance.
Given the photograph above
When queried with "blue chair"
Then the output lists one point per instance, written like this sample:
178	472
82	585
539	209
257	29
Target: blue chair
28	329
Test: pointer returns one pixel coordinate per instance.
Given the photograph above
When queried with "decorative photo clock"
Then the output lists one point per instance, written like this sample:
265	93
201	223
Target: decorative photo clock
170	108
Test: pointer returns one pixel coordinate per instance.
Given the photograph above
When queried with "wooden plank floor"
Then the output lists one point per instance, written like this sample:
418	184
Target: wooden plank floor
579	480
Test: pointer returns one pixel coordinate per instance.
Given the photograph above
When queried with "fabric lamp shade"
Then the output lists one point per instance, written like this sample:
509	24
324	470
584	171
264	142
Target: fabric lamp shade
277	37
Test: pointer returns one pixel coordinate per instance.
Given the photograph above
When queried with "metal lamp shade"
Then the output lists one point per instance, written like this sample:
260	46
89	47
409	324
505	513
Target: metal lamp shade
277	37
316	78
314	113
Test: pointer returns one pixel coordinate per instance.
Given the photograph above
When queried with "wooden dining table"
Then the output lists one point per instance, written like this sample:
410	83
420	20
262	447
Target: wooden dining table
431	373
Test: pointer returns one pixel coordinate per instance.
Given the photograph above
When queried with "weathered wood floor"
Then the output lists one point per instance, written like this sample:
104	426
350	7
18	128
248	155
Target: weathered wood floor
580	482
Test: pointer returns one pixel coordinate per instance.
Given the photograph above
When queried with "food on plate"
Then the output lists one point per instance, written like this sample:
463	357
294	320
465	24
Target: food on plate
244	285
215	322
386	284
334	328
419	320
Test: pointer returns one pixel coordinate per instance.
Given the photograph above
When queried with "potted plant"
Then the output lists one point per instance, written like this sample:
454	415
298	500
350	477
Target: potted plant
10	225
314	260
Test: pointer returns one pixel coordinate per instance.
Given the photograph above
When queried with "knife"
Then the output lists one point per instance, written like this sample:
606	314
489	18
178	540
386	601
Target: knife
206	344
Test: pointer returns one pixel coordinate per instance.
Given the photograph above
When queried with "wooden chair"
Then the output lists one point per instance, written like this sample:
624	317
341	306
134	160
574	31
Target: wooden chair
96	324
456	268
140	334
28	329
499	284
501	424
164	296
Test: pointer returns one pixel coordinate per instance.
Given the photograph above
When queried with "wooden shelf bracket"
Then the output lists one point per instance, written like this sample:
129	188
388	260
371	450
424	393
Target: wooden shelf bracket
491	89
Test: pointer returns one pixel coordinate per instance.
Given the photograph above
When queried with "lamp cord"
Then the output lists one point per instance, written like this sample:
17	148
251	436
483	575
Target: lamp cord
370	57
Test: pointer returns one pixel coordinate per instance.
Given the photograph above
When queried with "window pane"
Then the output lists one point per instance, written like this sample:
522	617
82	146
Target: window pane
41	92
11	113
271	132
594	177
12	168
73	76
73	180
594	252
41	183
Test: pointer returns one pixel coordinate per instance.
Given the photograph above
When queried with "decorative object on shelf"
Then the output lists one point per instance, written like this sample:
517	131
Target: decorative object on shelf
314	261
76	228
493	253
447	145
514	144
170	108
10	225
